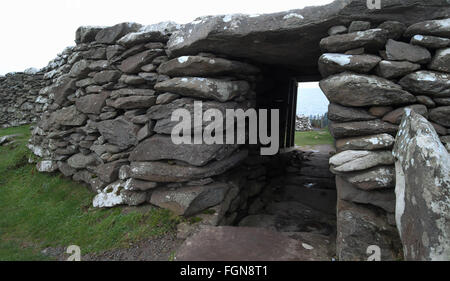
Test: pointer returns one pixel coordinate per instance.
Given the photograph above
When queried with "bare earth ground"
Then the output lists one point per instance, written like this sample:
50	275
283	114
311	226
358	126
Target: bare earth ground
153	249
320	148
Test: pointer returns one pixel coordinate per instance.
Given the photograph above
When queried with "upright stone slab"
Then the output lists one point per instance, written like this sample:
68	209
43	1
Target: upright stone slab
422	190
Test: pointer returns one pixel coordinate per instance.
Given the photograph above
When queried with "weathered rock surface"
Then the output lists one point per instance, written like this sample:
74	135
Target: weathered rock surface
384	198
446	142
161	147
356	160
109	172
441	115
80	69
126	92
138	185
442	101
62	89
163	172
395	117
114	195
431	83
111	34
274	38
372	142
380	111
400	51
372	39
204	88
8	138
106	76
86	34
151	33
427	101
134	63
431	42
120	132
375	178
81	161
227	243
65	169
341	113
441	61
190	200
197	66
431	27
67	116
134	102
330	63
338	29
162	113
47	166
422	190
358	26
360	227
395	29
395	69
361	128
166	98
92	104
350	89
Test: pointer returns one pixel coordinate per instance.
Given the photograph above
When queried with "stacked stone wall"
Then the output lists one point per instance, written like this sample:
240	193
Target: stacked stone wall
19	98
108	123
371	74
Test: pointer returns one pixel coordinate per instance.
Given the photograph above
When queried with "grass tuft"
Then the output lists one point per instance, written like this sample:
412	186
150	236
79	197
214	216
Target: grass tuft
313	138
47	210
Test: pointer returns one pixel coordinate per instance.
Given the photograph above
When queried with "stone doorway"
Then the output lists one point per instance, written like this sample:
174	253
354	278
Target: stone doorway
299	198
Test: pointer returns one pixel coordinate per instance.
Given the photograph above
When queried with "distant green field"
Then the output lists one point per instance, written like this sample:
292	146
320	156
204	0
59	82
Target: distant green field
313	138
47	210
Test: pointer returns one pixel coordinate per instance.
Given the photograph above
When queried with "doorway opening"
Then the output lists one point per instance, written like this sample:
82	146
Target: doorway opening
299	197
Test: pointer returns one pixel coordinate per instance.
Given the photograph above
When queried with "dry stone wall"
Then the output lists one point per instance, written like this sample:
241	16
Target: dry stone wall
108	123
107	105
19	98
371	74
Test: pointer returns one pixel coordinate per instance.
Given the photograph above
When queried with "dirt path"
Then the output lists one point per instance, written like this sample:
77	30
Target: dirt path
152	249
320	148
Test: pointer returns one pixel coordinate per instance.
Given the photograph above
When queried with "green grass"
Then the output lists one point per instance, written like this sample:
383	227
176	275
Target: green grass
313	138
47	210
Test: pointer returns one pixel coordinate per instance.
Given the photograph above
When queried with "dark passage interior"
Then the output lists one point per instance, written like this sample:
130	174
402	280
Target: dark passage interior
299	197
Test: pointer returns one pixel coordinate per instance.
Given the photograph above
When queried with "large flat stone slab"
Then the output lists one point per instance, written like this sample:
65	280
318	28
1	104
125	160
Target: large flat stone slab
227	243
190	200
161	147
207	88
434	84
277	38
351	89
165	172
197	66
330	63
356	160
361	128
